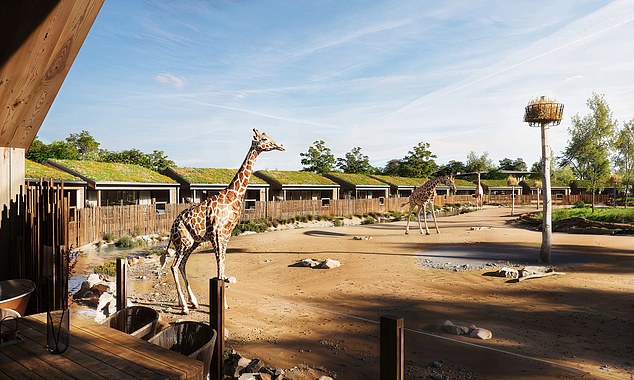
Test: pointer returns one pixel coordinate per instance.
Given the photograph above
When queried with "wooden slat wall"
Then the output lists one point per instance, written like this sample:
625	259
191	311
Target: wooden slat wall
33	241
92	223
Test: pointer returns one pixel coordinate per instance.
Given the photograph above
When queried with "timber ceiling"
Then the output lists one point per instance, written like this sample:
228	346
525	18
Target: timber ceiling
39	40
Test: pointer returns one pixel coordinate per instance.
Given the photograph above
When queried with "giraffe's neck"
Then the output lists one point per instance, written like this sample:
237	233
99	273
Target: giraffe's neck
241	180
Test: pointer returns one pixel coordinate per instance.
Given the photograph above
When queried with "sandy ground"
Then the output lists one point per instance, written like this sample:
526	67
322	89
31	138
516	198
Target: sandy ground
577	325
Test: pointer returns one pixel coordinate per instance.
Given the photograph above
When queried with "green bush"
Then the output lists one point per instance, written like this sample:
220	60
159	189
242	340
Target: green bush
579	204
109	268
337	222
109	237
249	226
368	220
126	242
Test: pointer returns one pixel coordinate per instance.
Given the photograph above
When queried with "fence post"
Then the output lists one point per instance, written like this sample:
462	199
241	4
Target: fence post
217	322
392	362
122	275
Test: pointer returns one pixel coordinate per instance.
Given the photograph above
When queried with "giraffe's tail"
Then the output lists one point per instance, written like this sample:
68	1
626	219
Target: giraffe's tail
406	203
164	256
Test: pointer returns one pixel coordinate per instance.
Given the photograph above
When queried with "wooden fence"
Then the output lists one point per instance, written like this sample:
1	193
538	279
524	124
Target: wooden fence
33	244
91	224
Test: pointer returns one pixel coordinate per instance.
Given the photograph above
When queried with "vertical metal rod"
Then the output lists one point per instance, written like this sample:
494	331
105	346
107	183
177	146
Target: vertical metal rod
392	359
122	289
217	322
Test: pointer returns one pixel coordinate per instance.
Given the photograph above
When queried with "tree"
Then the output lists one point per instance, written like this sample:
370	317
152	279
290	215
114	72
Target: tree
38	151
86	145
318	159
588	149
517	165
392	167
624	157
479	164
419	162
158	161
355	162
450	168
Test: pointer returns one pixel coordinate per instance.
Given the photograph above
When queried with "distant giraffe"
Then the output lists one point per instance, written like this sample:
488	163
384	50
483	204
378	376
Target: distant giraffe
479	193
213	220
423	197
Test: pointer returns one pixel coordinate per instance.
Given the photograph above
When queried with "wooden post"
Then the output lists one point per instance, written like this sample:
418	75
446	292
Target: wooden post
122	291
391	349
217	322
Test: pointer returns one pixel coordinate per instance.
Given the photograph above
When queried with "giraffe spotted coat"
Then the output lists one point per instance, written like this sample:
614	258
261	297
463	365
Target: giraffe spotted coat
423	197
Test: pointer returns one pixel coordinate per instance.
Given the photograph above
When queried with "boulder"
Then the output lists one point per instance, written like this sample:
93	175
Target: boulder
329	264
480	333
106	306
450	328
100	288
253	366
249	376
324	377
310	263
508	272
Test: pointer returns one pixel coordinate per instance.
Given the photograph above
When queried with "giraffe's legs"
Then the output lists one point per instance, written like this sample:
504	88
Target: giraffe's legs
220	261
182	267
420	226
433	214
409	216
425	218
181	297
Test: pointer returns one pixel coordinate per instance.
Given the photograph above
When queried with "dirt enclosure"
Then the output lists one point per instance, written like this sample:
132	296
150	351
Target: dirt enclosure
577	325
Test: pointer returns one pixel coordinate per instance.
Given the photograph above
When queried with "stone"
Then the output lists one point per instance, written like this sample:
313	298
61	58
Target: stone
324	377
329	264
105	307
100	288
93	279
436	376
231	280
265	376
249	376
508	272
480	333
254	366
309	263
449	327
133	261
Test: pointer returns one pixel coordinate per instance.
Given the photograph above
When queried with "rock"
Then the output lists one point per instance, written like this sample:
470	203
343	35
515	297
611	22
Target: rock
93	279
323	377
310	263
265	376
100	289
329	264
436	376
133	261
508	272
253	366
231	280
105	307
362	237
449	327
436	364
480	333
249	376
279	372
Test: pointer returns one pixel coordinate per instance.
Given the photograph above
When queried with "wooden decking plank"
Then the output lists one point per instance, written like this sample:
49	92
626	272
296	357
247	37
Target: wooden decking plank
83	365
110	355
10	369
33	363
161	357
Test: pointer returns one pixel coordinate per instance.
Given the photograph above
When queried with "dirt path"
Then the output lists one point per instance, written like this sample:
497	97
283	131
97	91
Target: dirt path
554	327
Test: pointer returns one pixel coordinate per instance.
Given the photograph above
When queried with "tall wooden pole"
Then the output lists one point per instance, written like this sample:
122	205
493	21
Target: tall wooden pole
122	275
217	322
545	252
392	357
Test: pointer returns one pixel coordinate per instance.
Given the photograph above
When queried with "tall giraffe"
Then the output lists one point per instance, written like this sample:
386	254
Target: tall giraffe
213	220
423	197
479	194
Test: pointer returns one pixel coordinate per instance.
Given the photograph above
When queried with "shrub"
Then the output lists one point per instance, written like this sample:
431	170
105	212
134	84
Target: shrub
579	204
249	226
109	237
109	268
337	222
368	220
136	231
126	242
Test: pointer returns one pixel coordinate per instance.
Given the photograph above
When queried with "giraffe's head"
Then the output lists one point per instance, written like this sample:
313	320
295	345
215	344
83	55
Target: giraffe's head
449	181
263	143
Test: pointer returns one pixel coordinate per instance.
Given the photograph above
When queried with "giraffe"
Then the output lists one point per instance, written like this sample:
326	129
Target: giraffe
423	197
213	220
479	194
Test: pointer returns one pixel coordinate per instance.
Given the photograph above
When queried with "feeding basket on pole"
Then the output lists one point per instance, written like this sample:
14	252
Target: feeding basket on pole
543	111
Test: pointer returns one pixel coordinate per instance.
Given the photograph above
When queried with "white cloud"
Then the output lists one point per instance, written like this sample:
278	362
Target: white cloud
171	80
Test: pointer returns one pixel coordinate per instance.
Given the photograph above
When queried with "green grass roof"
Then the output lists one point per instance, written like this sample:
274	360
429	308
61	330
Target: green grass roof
495	183
290	177
211	175
531	183
34	169
357	179
113	172
464	183
400	181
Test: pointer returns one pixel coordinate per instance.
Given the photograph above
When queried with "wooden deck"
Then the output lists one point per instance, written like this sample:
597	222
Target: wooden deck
95	352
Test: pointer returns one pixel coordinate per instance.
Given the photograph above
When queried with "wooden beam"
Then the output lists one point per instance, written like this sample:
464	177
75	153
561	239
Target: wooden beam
40	42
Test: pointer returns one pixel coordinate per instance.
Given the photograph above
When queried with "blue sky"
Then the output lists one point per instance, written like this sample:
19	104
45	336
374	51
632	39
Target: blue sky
193	78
